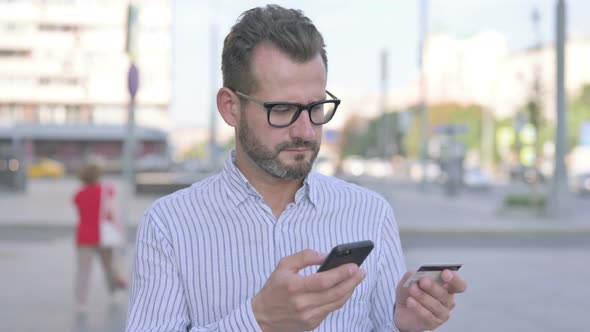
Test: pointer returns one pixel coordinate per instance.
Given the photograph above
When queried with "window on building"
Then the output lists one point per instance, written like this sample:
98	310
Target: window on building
58	27
11	114
73	114
52	114
6	116
12	53
51	80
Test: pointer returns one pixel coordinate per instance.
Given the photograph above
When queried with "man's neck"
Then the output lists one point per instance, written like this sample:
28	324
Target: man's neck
277	193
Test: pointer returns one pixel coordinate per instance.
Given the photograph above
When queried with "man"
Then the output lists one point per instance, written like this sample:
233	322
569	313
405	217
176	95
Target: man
239	251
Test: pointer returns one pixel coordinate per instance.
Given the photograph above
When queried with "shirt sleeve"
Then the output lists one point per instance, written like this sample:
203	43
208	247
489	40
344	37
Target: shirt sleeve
391	269
157	300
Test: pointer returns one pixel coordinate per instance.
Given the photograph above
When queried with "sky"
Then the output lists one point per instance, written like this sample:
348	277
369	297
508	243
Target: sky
356	33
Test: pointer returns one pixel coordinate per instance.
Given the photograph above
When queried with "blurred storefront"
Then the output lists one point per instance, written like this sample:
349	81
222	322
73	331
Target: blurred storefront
72	145
63	75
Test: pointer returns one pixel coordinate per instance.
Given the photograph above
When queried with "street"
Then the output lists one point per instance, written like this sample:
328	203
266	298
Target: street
512	286
516	289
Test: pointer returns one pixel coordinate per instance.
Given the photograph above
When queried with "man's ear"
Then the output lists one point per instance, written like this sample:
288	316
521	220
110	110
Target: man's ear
228	105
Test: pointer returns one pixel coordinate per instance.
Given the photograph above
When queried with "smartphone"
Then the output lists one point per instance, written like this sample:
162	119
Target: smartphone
354	252
432	271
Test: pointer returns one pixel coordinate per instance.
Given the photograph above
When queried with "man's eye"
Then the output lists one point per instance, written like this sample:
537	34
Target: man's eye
318	108
282	108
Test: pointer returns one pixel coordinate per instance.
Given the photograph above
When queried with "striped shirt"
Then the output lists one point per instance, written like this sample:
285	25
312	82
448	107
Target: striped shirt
203	252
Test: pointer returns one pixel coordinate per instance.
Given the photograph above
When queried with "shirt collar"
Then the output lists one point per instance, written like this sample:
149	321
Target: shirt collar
239	189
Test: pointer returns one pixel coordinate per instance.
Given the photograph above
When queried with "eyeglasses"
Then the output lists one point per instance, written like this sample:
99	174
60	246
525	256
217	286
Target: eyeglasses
283	114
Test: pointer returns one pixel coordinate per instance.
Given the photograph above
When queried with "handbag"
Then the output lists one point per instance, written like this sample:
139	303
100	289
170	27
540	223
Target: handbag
111	232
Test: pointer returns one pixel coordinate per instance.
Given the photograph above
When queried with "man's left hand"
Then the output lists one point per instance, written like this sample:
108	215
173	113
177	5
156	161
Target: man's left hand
425	305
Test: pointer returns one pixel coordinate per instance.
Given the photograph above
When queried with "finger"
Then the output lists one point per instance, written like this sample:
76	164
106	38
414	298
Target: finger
325	280
429	302
454	283
341	290
300	260
429	321
440	293
402	292
337	296
406	276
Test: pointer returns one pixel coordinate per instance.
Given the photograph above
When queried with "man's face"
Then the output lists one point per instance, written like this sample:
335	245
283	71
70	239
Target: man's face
267	158
286	153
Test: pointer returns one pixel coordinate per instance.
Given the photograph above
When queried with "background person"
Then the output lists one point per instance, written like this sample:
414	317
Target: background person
89	201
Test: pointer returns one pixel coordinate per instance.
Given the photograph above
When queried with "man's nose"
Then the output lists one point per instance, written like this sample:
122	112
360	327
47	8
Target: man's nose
303	127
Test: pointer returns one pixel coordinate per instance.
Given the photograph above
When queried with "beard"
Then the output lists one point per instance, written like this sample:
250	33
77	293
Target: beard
268	160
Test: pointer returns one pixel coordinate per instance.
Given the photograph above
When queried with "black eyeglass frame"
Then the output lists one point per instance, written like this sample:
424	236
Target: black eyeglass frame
300	108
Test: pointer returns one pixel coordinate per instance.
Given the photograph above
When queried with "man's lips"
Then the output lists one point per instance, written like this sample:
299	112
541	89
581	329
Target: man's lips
297	149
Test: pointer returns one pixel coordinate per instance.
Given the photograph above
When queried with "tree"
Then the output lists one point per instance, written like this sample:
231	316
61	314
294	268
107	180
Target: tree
360	136
578	113
197	151
469	116
356	136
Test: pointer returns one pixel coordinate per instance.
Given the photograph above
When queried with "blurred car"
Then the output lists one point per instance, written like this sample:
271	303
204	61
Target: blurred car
153	163
526	174
378	168
194	166
353	165
433	172
581	183
324	166
476	178
45	167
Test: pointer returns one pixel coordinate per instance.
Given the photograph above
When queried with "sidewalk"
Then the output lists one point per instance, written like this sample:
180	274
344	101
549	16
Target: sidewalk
431	211
38	290
417	211
48	204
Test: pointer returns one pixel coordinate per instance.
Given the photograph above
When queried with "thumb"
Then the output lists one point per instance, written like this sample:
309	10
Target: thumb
302	259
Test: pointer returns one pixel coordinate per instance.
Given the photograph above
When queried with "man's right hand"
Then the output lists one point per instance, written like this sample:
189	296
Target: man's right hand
292	302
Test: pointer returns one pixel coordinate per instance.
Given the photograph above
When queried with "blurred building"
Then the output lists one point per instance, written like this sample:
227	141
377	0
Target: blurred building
184	139
516	76
63	65
482	70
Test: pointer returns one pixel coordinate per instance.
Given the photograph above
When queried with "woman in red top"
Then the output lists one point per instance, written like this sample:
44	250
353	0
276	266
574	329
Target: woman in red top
88	203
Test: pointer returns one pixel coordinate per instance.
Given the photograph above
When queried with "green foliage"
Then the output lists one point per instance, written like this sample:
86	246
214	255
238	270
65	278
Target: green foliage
200	150
229	144
469	116
413	134
578	113
360	136
506	122
197	151
523	200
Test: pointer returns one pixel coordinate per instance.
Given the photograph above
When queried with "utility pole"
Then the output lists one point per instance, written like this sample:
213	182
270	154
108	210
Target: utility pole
424	132
213	70
383	136
132	86
534	108
560	205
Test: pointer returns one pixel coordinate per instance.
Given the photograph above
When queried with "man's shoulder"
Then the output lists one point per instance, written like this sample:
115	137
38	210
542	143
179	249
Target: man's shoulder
340	186
196	191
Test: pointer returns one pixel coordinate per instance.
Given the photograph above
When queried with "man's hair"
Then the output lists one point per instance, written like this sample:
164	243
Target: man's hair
287	29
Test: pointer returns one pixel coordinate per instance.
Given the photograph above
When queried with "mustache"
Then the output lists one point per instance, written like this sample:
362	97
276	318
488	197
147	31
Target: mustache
298	143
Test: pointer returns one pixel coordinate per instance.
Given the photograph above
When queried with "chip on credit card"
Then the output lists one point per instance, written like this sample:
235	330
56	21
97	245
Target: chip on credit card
432	271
